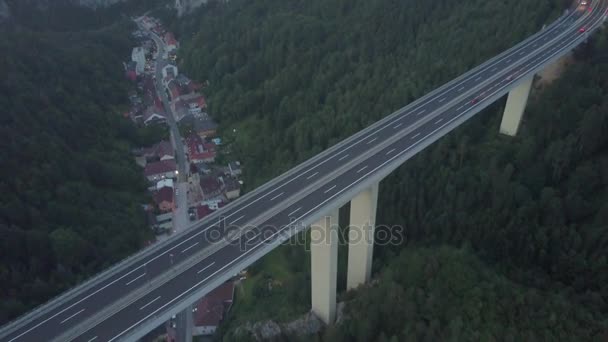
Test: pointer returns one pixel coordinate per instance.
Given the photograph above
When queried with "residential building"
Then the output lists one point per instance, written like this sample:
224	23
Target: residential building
214	203
232	189
131	71
161	169
161	151
202	211
164	222
202	124
170	70
200	151
200	168
138	55
234	168
211	309
164	199
211	187
167	182
154	115
195	102
170	41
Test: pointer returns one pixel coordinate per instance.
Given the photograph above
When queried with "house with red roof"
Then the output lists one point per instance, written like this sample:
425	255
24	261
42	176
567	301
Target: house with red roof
161	151
164	199
156	171
170	41
210	310
202	211
200	151
211	187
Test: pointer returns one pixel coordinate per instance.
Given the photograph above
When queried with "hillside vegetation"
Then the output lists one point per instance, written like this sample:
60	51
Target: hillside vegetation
71	192
295	77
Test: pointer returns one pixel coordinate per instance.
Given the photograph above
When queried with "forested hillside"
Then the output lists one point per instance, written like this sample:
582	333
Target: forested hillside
443	294
71	192
295	77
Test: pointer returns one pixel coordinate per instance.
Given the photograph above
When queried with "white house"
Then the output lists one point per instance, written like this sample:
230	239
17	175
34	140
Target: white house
138	55
168	182
170	69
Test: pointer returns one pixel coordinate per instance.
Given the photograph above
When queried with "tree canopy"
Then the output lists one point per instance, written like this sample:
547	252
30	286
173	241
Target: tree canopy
71	192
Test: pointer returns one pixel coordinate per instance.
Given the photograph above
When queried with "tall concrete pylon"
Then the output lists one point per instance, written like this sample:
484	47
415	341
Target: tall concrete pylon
361	237
516	104
324	266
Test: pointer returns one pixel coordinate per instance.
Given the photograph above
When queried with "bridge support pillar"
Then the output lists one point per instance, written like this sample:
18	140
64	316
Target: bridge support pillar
361	237
516	104
324	266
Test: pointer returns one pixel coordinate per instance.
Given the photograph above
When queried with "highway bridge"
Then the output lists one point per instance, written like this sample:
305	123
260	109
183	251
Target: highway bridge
126	301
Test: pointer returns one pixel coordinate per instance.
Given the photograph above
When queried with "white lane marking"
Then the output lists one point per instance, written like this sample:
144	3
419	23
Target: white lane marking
441	99
134	280
438	121
150	302
343	157
478	78
74	315
415	136
421	112
93	339
398	125
522	52
509	60
240	217
461	88
361	169
459	108
293	212
494	69
277	196
389	152
330	189
371	141
188	248
314	174
206	267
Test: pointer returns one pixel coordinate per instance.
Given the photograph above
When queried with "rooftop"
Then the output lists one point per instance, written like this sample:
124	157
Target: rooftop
160	167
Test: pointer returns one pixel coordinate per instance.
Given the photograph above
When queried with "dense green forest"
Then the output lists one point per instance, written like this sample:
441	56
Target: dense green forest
444	294
71	190
295	77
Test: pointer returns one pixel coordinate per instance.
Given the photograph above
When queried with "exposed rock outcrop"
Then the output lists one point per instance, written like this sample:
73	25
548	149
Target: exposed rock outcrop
307	325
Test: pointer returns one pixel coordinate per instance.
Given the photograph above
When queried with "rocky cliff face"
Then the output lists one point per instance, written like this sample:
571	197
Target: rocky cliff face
306	325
